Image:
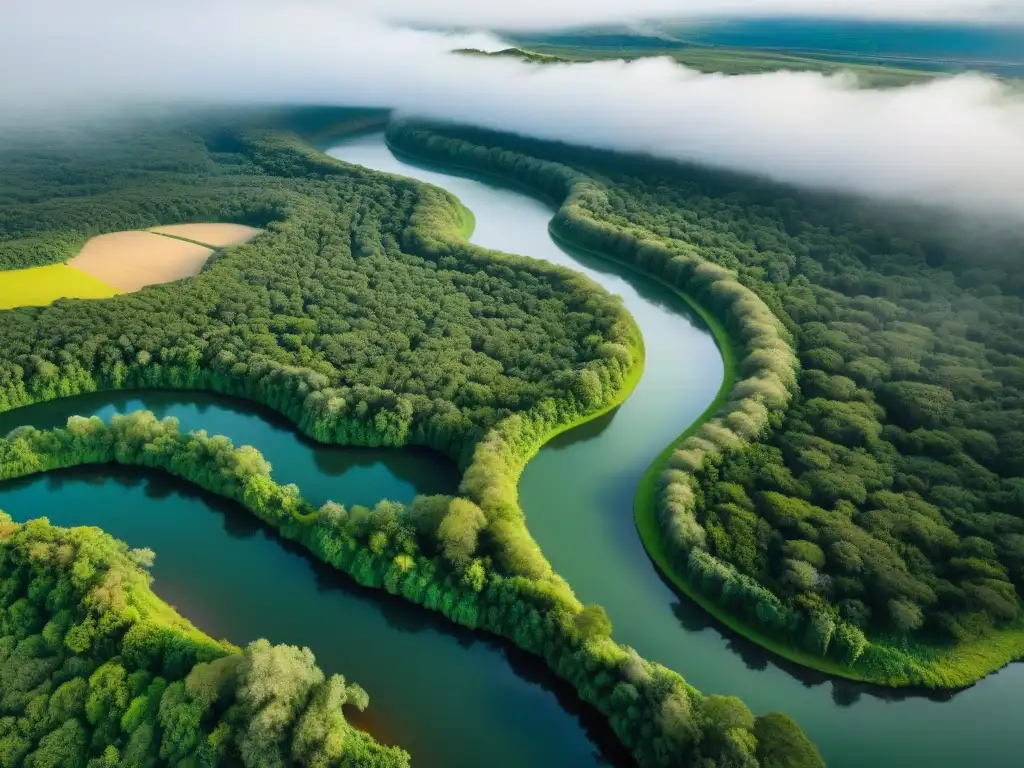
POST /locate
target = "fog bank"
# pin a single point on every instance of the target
(953, 142)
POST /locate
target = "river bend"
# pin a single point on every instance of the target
(454, 697)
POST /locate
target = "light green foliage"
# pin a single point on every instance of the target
(458, 531)
(364, 320)
(593, 622)
(902, 442)
(226, 707)
(271, 704)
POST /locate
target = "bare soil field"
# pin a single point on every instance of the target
(130, 261)
(213, 235)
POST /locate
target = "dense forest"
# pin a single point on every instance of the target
(97, 672)
(867, 512)
(363, 317)
(429, 553)
(351, 316)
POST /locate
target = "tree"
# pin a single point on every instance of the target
(905, 616)
(593, 622)
(458, 531)
(781, 743)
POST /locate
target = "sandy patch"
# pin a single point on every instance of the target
(132, 260)
(214, 235)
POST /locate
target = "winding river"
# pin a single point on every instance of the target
(456, 698)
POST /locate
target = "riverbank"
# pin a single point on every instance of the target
(536, 248)
(890, 666)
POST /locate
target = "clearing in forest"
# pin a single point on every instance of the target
(130, 261)
(122, 262)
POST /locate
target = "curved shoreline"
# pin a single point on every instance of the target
(949, 669)
(570, 652)
(724, 341)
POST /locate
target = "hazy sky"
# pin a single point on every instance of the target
(545, 13)
(959, 141)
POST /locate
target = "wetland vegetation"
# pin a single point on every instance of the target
(850, 500)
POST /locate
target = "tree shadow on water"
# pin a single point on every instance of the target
(589, 430)
(427, 470)
(408, 618)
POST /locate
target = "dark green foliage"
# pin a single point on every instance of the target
(781, 743)
(351, 315)
(405, 550)
(887, 497)
(364, 319)
(104, 674)
(53, 198)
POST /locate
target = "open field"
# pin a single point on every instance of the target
(44, 285)
(132, 260)
(122, 262)
(213, 235)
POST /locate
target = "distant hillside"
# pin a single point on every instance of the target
(931, 47)
(712, 59)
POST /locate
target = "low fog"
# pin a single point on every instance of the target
(956, 142)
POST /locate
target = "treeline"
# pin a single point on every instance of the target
(433, 553)
(87, 184)
(97, 672)
(886, 503)
(364, 319)
(358, 315)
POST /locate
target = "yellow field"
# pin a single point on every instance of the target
(121, 262)
(44, 285)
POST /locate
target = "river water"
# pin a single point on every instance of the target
(456, 698)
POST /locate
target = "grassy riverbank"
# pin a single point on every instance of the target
(360, 269)
(903, 663)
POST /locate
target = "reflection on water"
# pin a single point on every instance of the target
(235, 578)
(449, 695)
(349, 475)
(578, 497)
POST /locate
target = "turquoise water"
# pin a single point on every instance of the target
(448, 696)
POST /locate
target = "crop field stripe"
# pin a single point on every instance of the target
(40, 286)
(185, 240)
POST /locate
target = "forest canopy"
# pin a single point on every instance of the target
(97, 672)
(885, 500)
(344, 316)
(365, 318)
